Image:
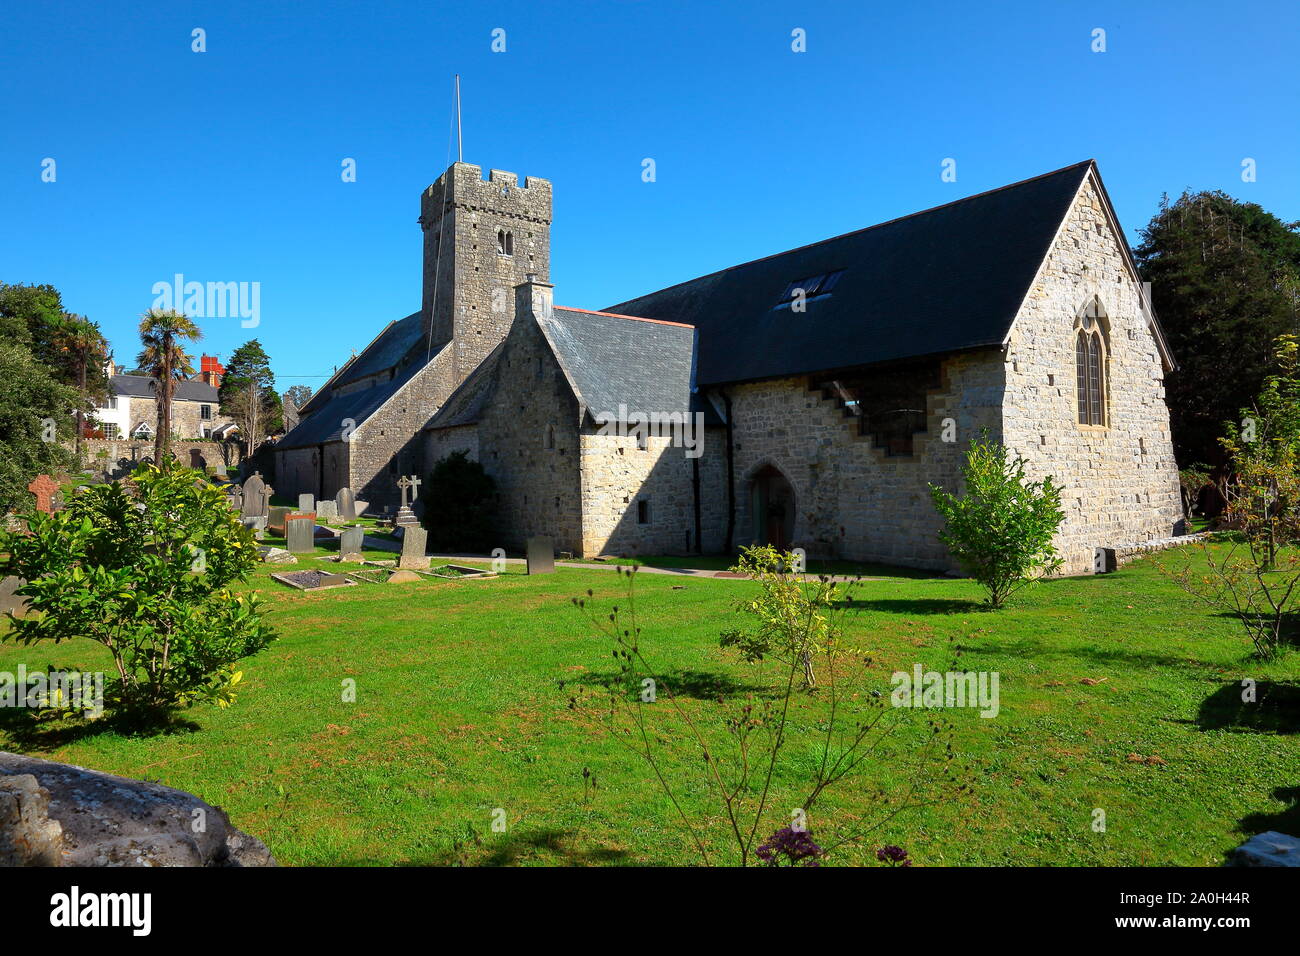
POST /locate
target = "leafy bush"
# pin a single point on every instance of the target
(792, 614)
(1001, 530)
(144, 567)
(458, 504)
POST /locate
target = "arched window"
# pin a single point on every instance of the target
(510, 243)
(1090, 364)
(501, 242)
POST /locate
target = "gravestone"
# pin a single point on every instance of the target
(405, 515)
(298, 532)
(327, 510)
(257, 496)
(541, 555)
(413, 542)
(235, 498)
(350, 542)
(11, 603)
(402, 576)
(45, 489)
(346, 504)
(361, 508)
(306, 502)
(275, 519)
(219, 470)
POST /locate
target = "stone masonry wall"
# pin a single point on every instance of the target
(468, 284)
(616, 474)
(187, 417)
(389, 443)
(1120, 482)
(119, 456)
(852, 500)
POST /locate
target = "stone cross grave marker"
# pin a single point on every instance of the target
(405, 516)
(346, 503)
(413, 543)
(299, 531)
(541, 555)
(44, 488)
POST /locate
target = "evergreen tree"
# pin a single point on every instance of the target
(248, 394)
(1225, 282)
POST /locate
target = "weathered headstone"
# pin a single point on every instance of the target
(350, 542)
(235, 498)
(298, 532)
(402, 576)
(361, 507)
(275, 519)
(413, 543)
(541, 555)
(327, 510)
(346, 504)
(306, 502)
(44, 488)
(257, 496)
(10, 602)
(219, 470)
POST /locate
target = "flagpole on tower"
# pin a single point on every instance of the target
(460, 149)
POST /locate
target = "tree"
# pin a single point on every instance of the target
(299, 394)
(162, 333)
(145, 567)
(1225, 281)
(1001, 530)
(458, 504)
(248, 394)
(24, 311)
(82, 349)
(35, 418)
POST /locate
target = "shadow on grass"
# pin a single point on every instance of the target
(1038, 650)
(1275, 709)
(1284, 821)
(516, 847)
(684, 682)
(22, 729)
(914, 605)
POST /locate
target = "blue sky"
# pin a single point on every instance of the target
(225, 165)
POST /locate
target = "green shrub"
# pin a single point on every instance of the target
(1001, 530)
(144, 567)
(458, 504)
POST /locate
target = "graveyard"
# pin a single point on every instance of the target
(414, 699)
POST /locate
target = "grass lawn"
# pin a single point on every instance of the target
(463, 707)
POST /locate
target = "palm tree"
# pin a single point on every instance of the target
(80, 340)
(162, 332)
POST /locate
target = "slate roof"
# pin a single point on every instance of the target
(610, 360)
(326, 423)
(141, 386)
(389, 348)
(465, 405)
(946, 279)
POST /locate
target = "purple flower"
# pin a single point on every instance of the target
(790, 847)
(893, 855)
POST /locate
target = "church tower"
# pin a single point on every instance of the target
(482, 237)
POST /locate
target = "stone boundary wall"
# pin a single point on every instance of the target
(129, 451)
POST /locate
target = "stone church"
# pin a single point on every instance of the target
(805, 399)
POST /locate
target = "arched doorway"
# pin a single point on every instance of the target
(771, 500)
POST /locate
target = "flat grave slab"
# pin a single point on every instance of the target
(313, 580)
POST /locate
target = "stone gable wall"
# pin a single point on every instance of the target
(538, 487)
(1120, 483)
